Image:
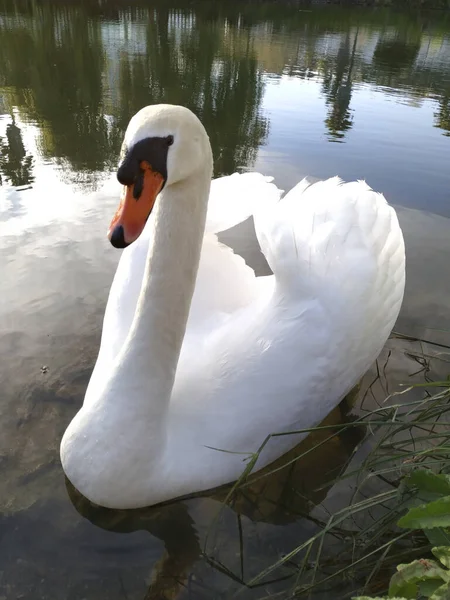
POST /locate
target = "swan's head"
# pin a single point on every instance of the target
(164, 144)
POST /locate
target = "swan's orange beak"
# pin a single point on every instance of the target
(135, 208)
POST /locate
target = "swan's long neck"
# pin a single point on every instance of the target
(156, 336)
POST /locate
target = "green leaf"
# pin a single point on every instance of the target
(442, 553)
(427, 588)
(404, 582)
(442, 593)
(427, 481)
(378, 598)
(408, 589)
(438, 536)
(428, 516)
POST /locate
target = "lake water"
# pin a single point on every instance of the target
(285, 90)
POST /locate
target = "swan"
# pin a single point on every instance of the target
(199, 359)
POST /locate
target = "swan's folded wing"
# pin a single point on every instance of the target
(339, 247)
(225, 282)
(235, 197)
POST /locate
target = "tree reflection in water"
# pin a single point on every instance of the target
(91, 72)
(16, 165)
(442, 116)
(184, 60)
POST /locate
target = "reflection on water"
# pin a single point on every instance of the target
(276, 87)
(83, 100)
(213, 61)
(16, 164)
(337, 86)
(443, 114)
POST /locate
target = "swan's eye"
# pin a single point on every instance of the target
(169, 140)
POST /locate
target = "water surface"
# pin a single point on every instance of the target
(286, 90)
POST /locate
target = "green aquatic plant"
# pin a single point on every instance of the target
(425, 578)
(422, 578)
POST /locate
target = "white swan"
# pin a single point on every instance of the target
(197, 354)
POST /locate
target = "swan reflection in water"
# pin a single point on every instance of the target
(282, 493)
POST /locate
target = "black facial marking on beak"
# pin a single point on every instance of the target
(153, 150)
(117, 238)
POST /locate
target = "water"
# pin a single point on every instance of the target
(284, 90)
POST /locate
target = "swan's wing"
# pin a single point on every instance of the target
(225, 282)
(338, 247)
(284, 362)
(235, 197)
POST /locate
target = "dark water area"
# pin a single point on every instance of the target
(281, 89)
